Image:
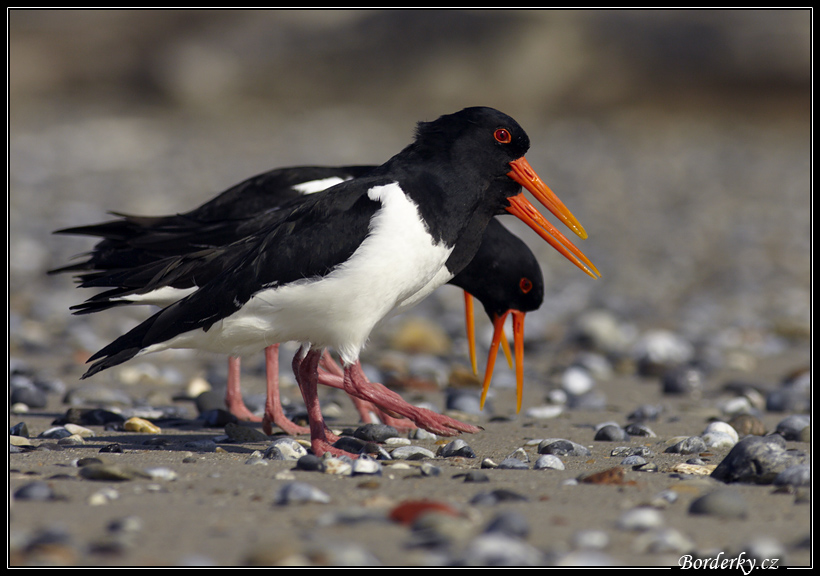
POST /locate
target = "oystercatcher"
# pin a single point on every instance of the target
(340, 261)
(504, 275)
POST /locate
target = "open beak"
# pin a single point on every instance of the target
(470, 323)
(523, 174)
(518, 343)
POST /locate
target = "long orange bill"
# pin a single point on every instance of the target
(523, 174)
(498, 331)
(518, 340)
(518, 343)
(470, 321)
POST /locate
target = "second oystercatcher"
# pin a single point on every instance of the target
(340, 261)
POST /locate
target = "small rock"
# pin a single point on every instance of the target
(610, 432)
(640, 519)
(746, 424)
(756, 459)
(239, 433)
(375, 432)
(411, 453)
(299, 493)
(721, 503)
(37, 490)
(456, 448)
(548, 462)
(285, 449)
(691, 445)
(561, 447)
(141, 425)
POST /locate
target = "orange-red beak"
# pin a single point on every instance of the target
(523, 209)
(470, 323)
(518, 343)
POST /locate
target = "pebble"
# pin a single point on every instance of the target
(476, 476)
(577, 381)
(646, 412)
(141, 425)
(285, 449)
(429, 469)
(640, 519)
(309, 463)
(411, 453)
(722, 503)
(510, 523)
(456, 448)
(466, 401)
(512, 464)
(350, 444)
(633, 461)
(55, 433)
(299, 493)
(81, 431)
(375, 432)
(792, 426)
(659, 350)
(240, 433)
(561, 447)
(71, 440)
(682, 380)
(590, 539)
(691, 445)
(365, 465)
(756, 459)
(495, 549)
(640, 429)
(110, 472)
(338, 466)
(610, 432)
(91, 417)
(797, 475)
(764, 548)
(545, 412)
(746, 424)
(103, 497)
(496, 496)
(548, 462)
(37, 491)
(665, 540)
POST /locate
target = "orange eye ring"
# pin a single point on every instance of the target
(525, 284)
(503, 136)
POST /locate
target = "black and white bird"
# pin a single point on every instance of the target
(340, 261)
(504, 274)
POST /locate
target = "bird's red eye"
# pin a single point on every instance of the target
(503, 136)
(525, 284)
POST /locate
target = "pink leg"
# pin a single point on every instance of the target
(274, 415)
(306, 370)
(334, 376)
(233, 394)
(356, 384)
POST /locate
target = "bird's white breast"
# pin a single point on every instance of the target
(396, 261)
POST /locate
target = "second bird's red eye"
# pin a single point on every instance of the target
(525, 284)
(503, 136)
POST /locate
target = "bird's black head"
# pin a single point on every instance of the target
(480, 136)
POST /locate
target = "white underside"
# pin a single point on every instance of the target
(162, 297)
(396, 266)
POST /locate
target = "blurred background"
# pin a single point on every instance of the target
(680, 139)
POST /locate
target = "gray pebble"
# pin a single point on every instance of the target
(456, 448)
(476, 476)
(593, 400)
(691, 445)
(576, 381)
(466, 401)
(591, 539)
(495, 549)
(756, 459)
(411, 453)
(640, 429)
(375, 432)
(204, 445)
(512, 464)
(791, 426)
(510, 523)
(561, 447)
(797, 475)
(429, 469)
(633, 461)
(766, 548)
(663, 541)
(285, 449)
(497, 496)
(681, 380)
(55, 433)
(645, 412)
(640, 519)
(625, 451)
(23, 391)
(610, 432)
(309, 463)
(721, 503)
(20, 429)
(300, 492)
(38, 491)
(548, 462)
